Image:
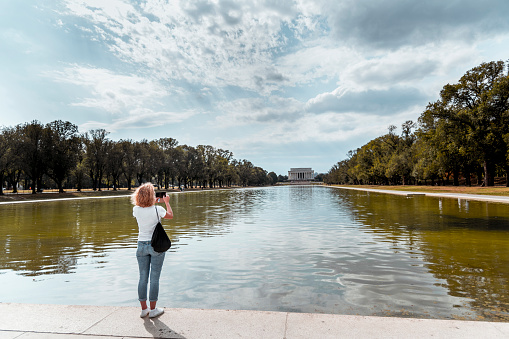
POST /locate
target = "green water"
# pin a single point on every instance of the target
(299, 248)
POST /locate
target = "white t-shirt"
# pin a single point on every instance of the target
(147, 220)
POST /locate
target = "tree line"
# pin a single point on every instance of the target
(56, 154)
(463, 137)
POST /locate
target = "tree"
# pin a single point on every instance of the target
(4, 149)
(114, 161)
(216, 165)
(32, 153)
(223, 158)
(282, 178)
(370, 162)
(189, 165)
(426, 166)
(61, 148)
(11, 160)
(128, 161)
(480, 102)
(273, 178)
(232, 175)
(57, 151)
(81, 169)
(193, 169)
(156, 158)
(142, 156)
(401, 161)
(258, 177)
(446, 146)
(96, 144)
(207, 154)
(179, 163)
(245, 171)
(167, 145)
(338, 174)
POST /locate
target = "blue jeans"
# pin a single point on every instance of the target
(150, 263)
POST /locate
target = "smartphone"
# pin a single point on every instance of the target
(160, 194)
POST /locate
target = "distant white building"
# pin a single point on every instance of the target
(301, 174)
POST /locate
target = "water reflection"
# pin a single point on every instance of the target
(464, 243)
(302, 248)
(49, 237)
(208, 214)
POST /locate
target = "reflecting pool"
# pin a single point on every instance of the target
(297, 248)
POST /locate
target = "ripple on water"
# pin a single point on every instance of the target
(303, 249)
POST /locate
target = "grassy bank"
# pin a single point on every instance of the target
(28, 196)
(495, 190)
(53, 194)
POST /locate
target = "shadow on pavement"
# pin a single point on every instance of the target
(160, 330)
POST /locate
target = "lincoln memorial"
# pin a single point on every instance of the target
(301, 174)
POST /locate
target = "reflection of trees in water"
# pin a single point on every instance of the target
(210, 213)
(50, 237)
(465, 242)
(474, 267)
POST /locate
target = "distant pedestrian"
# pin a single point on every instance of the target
(150, 262)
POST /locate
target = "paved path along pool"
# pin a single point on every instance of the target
(479, 197)
(66, 321)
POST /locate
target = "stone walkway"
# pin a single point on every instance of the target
(66, 321)
(479, 197)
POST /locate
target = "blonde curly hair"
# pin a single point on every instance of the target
(144, 196)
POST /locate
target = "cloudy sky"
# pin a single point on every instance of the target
(281, 83)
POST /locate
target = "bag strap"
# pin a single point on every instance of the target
(158, 218)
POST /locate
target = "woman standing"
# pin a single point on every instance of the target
(150, 262)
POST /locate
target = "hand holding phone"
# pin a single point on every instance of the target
(159, 196)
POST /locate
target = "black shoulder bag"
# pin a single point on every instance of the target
(160, 241)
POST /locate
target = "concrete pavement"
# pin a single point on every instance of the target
(26, 321)
(479, 197)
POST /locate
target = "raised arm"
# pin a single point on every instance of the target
(169, 211)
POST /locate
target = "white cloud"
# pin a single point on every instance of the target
(310, 129)
(213, 43)
(408, 66)
(380, 102)
(316, 60)
(114, 93)
(248, 111)
(260, 46)
(132, 100)
(141, 118)
(392, 24)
